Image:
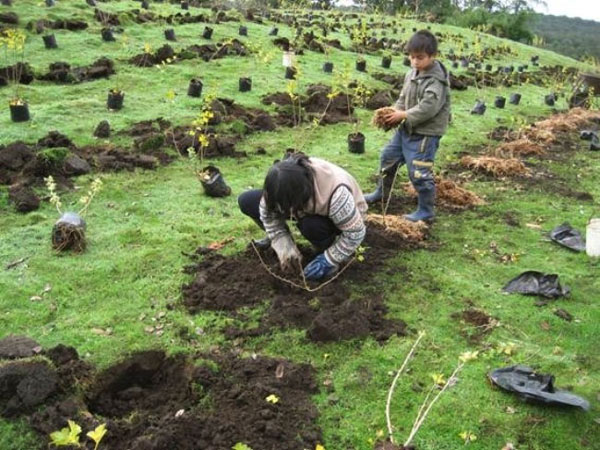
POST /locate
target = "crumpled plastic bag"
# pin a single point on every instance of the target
(533, 282)
(523, 381)
(569, 237)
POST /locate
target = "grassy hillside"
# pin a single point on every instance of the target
(144, 224)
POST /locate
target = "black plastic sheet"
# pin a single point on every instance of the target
(537, 283)
(529, 385)
(569, 237)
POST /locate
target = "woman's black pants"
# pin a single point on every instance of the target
(320, 231)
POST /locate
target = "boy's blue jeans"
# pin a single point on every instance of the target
(417, 152)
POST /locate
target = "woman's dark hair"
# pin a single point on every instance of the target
(289, 184)
(422, 41)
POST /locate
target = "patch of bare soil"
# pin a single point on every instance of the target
(232, 283)
(24, 165)
(220, 50)
(478, 323)
(151, 401)
(61, 72)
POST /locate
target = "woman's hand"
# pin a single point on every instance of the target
(287, 252)
(319, 268)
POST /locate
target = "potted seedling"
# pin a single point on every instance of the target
(50, 41)
(500, 101)
(360, 37)
(259, 57)
(13, 41)
(116, 96)
(170, 34)
(210, 176)
(68, 232)
(207, 33)
(243, 30)
(514, 98)
(479, 107)
(328, 65)
(195, 88)
(386, 61)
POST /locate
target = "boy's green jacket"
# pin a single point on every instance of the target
(425, 97)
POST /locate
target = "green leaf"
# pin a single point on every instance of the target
(97, 434)
(67, 436)
(241, 446)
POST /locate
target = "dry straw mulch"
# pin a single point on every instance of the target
(519, 147)
(398, 227)
(545, 131)
(450, 194)
(497, 167)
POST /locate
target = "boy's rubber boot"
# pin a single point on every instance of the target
(376, 195)
(383, 186)
(424, 211)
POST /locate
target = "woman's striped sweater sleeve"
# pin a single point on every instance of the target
(348, 219)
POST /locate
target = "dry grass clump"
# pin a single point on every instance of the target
(398, 227)
(378, 116)
(520, 147)
(497, 167)
(450, 194)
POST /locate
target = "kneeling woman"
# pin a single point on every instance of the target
(323, 199)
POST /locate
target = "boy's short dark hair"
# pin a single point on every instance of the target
(422, 41)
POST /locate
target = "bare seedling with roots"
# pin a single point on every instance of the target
(450, 194)
(378, 118)
(497, 167)
(398, 227)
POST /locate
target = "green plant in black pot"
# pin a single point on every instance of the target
(68, 232)
(13, 40)
(210, 177)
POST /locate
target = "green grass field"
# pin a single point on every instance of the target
(140, 225)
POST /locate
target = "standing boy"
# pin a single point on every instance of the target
(421, 113)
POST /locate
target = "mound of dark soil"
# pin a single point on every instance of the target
(62, 72)
(39, 26)
(231, 283)
(221, 50)
(396, 81)
(382, 99)
(12, 347)
(25, 165)
(106, 18)
(150, 401)
(315, 105)
(149, 59)
(25, 385)
(226, 110)
(9, 17)
(278, 98)
(218, 145)
(20, 72)
(24, 198)
(338, 109)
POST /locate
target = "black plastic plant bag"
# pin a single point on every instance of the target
(536, 283)
(569, 237)
(531, 386)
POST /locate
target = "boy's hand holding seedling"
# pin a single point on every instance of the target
(393, 117)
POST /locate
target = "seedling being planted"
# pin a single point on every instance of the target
(68, 232)
(69, 436)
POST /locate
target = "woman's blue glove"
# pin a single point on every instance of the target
(318, 268)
